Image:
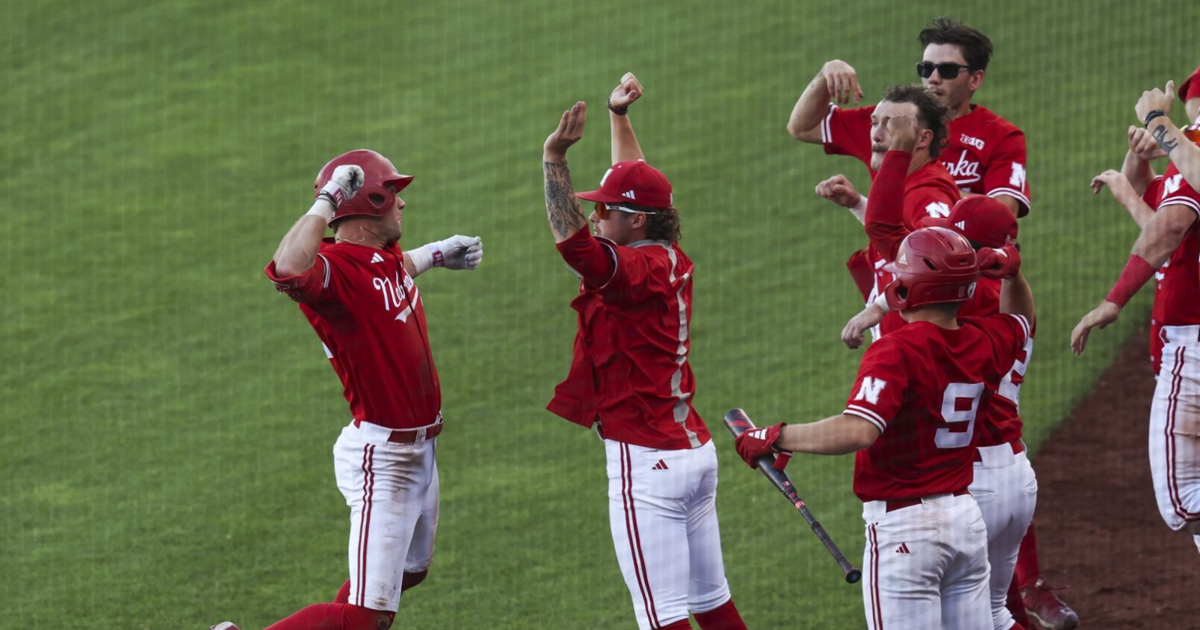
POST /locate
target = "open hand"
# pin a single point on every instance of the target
(1100, 317)
(570, 130)
(868, 318)
(842, 82)
(1116, 182)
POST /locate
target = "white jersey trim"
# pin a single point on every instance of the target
(681, 411)
(826, 133)
(1024, 326)
(325, 284)
(1009, 192)
(868, 415)
(1181, 201)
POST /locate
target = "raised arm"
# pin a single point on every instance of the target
(1153, 110)
(298, 250)
(836, 81)
(884, 223)
(562, 208)
(1016, 297)
(1137, 168)
(624, 143)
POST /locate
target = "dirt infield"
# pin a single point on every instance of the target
(1098, 528)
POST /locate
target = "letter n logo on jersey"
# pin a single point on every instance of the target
(1017, 179)
(871, 387)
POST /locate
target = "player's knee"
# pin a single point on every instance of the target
(359, 618)
(412, 579)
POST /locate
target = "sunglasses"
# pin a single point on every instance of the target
(602, 209)
(945, 70)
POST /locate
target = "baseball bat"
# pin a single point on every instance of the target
(738, 422)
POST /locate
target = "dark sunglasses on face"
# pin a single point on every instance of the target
(945, 70)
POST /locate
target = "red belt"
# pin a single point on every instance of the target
(900, 504)
(409, 436)
(1017, 447)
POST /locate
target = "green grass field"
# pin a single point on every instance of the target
(168, 418)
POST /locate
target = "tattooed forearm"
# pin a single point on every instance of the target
(1165, 143)
(562, 208)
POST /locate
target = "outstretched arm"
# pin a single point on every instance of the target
(1123, 191)
(1162, 234)
(625, 145)
(836, 81)
(562, 208)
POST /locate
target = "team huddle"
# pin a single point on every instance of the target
(933, 417)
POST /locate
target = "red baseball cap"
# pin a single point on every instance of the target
(632, 182)
(1190, 88)
(983, 220)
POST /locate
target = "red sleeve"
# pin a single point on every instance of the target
(882, 382)
(1009, 333)
(1176, 191)
(848, 132)
(1153, 192)
(1005, 174)
(926, 202)
(884, 222)
(589, 258)
(304, 287)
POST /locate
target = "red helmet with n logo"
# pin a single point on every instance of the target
(374, 198)
(932, 265)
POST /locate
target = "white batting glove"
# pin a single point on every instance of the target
(346, 181)
(457, 252)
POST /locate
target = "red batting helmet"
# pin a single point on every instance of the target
(373, 198)
(932, 265)
(984, 221)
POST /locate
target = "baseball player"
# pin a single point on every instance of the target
(1004, 484)
(1153, 109)
(1167, 250)
(630, 375)
(911, 420)
(984, 153)
(357, 291)
(1189, 93)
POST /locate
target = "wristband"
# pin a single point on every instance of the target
(1137, 271)
(882, 303)
(323, 208)
(426, 257)
(620, 111)
(1152, 115)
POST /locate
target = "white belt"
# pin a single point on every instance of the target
(1180, 335)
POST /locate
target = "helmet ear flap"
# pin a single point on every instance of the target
(897, 295)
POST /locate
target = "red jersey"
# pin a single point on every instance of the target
(923, 386)
(630, 369)
(368, 314)
(1177, 282)
(886, 226)
(984, 153)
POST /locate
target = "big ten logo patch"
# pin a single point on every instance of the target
(400, 293)
(971, 142)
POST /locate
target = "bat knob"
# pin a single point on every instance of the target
(853, 576)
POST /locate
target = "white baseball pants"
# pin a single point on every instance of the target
(925, 566)
(662, 508)
(1175, 428)
(392, 491)
(1005, 488)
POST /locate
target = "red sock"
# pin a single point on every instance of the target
(723, 617)
(682, 624)
(1015, 606)
(1027, 560)
(343, 596)
(333, 617)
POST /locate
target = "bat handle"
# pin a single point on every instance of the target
(853, 575)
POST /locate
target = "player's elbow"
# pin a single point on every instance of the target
(804, 133)
(861, 434)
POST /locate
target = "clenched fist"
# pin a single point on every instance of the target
(346, 181)
(461, 252)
